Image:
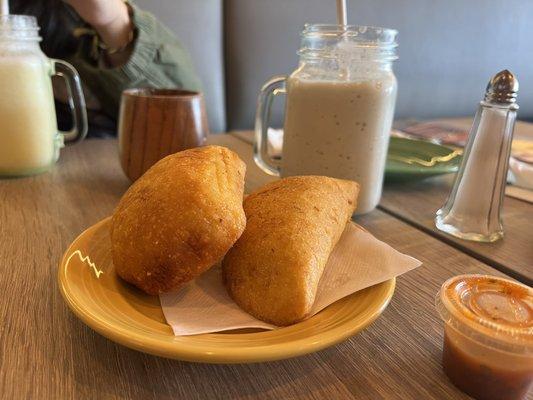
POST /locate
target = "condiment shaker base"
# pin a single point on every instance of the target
(442, 224)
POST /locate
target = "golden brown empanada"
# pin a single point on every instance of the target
(293, 224)
(179, 218)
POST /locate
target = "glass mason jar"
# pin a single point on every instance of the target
(29, 138)
(339, 108)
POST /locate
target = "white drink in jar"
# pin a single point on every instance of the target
(29, 139)
(28, 128)
(340, 129)
(339, 108)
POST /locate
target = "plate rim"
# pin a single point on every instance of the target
(178, 350)
(405, 170)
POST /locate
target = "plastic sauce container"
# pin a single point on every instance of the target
(488, 336)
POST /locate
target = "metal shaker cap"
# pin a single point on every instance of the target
(502, 88)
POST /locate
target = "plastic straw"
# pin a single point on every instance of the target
(342, 18)
(4, 7)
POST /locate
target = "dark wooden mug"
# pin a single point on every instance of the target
(154, 123)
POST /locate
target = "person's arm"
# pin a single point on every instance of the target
(154, 59)
(112, 21)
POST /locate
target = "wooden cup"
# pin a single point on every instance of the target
(154, 123)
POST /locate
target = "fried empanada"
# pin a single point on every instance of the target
(179, 218)
(293, 224)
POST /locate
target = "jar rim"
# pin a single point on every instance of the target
(358, 33)
(348, 44)
(19, 27)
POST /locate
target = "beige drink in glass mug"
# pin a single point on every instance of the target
(29, 138)
(339, 108)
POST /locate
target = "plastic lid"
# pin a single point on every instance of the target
(494, 311)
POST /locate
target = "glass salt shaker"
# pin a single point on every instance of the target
(473, 209)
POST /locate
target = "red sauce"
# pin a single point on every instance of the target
(483, 382)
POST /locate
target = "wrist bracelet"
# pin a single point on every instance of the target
(115, 50)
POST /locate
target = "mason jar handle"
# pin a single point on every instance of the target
(76, 101)
(269, 90)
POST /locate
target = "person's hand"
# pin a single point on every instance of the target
(100, 13)
(111, 19)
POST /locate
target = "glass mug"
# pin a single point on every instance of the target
(339, 108)
(29, 138)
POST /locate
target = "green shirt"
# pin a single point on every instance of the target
(158, 60)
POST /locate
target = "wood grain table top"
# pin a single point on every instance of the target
(417, 202)
(47, 353)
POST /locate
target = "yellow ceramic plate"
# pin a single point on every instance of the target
(127, 316)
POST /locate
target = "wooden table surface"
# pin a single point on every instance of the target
(47, 353)
(417, 202)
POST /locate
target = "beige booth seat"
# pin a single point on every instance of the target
(448, 49)
(198, 25)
